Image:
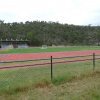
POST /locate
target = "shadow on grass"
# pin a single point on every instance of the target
(63, 79)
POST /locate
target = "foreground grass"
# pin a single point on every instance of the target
(75, 81)
(87, 88)
(49, 49)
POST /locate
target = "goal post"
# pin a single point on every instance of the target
(44, 47)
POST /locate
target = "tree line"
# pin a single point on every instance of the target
(50, 33)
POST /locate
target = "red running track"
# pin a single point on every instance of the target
(31, 56)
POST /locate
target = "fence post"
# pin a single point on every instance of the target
(93, 61)
(51, 69)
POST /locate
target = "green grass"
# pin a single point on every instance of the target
(49, 49)
(74, 81)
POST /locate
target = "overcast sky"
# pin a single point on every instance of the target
(78, 12)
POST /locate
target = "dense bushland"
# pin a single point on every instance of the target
(50, 33)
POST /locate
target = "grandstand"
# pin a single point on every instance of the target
(13, 43)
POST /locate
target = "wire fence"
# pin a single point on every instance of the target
(21, 75)
(48, 61)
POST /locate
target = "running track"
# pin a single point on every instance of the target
(31, 56)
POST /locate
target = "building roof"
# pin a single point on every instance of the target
(12, 40)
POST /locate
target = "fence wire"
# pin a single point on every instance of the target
(43, 62)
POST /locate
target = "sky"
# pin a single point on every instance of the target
(77, 12)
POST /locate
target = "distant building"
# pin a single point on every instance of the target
(13, 43)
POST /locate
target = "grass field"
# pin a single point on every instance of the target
(74, 81)
(49, 49)
(71, 81)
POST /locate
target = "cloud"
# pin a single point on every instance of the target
(65, 11)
